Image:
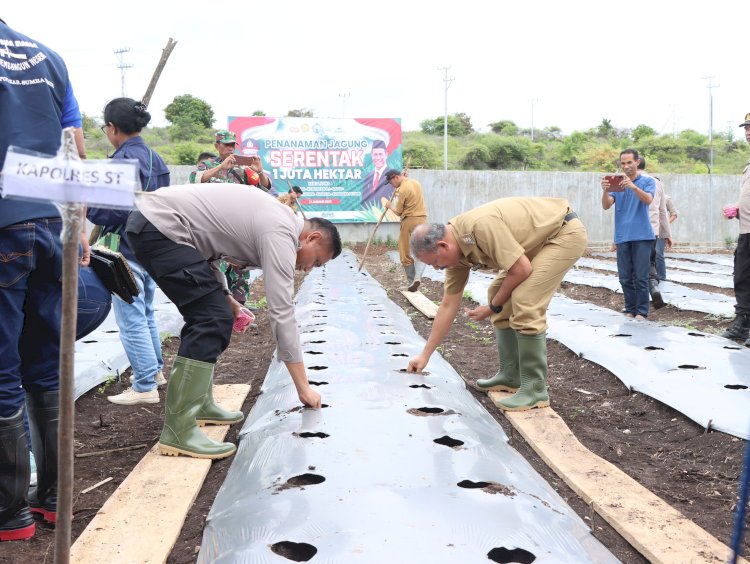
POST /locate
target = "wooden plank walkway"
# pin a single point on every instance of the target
(143, 518)
(652, 526)
(421, 302)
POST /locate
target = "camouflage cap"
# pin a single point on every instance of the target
(225, 136)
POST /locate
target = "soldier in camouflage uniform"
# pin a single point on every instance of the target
(224, 168)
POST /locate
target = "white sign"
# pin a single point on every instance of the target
(110, 183)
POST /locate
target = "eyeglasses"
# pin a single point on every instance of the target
(104, 128)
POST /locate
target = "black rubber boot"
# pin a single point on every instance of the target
(16, 522)
(43, 419)
(740, 328)
(656, 298)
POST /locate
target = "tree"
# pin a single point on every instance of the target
(605, 129)
(641, 131)
(504, 127)
(187, 109)
(88, 124)
(302, 112)
(476, 158)
(570, 149)
(259, 113)
(458, 125)
(421, 154)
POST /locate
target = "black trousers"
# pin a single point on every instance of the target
(189, 281)
(653, 278)
(742, 275)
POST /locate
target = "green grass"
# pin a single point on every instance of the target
(260, 304)
(111, 379)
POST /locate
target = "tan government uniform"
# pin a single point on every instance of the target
(498, 233)
(411, 208)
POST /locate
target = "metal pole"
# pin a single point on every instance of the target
(71, 232)
(122, 66)
(447, 82)
(343, 103)
(533, 101)
(711, 86)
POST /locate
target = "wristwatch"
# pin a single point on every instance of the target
(496, 309)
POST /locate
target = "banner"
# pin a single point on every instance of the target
(339, 164)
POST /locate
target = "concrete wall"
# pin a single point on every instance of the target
(699, 199)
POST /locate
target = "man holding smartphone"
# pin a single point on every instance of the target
(226, 168)
(634, 235)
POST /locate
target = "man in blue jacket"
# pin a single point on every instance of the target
(36, 103)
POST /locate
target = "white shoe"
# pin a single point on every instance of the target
(131, 397)
(159, 379)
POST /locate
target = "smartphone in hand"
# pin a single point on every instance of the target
(242, 160)
(615, 182)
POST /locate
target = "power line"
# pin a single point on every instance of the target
(123, 66)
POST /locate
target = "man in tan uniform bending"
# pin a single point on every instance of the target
(409, 205)
(179, 237)
(532, 242)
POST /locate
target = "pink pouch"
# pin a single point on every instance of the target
(730, 211)
(245, 318)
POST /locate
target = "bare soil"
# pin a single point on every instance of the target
(694, 470)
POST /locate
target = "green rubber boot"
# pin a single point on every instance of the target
(412, 282)
(210, 413)
(187, 390)
(507, 379)
(532, 356)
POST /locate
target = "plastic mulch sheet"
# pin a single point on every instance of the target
(100, 354)
(704, 377)
(395, 467)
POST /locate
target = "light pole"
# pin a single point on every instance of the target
(711, 87)
(447, 82)
(343, 97)
(532, 101)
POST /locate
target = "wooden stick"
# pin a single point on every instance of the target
(108, 451)
(367, 247)
(298, 204)
(104, 481)
(166, 52)
(70, 235)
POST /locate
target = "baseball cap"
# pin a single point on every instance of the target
(225, 136)
(391, 173)
(747, 121)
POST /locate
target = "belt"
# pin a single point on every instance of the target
(570, 217)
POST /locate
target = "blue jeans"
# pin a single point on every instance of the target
(94, 302)
(30, 304)
(138, 332)
(633, 265)
(661, 265)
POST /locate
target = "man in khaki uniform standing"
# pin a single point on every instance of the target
(408, 203)
(532, 242)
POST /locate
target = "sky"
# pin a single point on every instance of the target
(536, 62)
